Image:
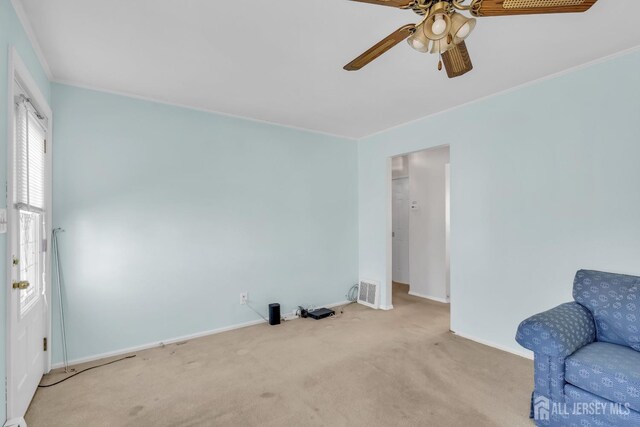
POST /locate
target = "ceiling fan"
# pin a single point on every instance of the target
(443, 29)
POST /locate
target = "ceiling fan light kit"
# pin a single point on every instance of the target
(419, 41)
(441, 46)
(461, 27)
(438, 23)
(443, 29)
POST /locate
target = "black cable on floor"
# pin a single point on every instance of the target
(256, 312)
(352, 297)
(341, 309)
(85, 370)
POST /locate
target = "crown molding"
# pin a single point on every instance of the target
(31, 35)
(551, 76)
(202, 110)
(24, 20)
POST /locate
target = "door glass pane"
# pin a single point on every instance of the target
(30, 265)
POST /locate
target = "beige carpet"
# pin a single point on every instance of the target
(365, 367)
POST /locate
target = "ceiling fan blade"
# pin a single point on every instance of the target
(528, 7)
(457, 60)
(381, 47)
(402, 4)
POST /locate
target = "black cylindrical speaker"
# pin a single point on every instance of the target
(274, 314)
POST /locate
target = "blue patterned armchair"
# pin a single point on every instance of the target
(587, 355)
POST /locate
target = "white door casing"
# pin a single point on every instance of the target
(447, 177)
(28, 310)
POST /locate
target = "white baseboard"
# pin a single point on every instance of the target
(386, 307)
(120, 352)
(337, 304)
(147, 346)
(437, 299)
(16, 422)
(522, 353)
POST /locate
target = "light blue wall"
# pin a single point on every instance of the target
(545, 180)
(170, 213)
(11, 34)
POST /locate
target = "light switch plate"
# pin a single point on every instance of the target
(3, 221)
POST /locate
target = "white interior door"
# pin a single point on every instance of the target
(400, 214)
(28, 325)
(28, 311)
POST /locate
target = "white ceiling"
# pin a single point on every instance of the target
(281, 60)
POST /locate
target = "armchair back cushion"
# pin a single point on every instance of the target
(614, 302)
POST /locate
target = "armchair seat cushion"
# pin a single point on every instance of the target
(607, 415)
(608, 370)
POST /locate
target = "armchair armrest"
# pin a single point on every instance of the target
(558, 332)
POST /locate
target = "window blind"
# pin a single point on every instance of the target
(29, 160)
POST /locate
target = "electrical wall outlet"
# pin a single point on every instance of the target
(290, 316)
(244, 296)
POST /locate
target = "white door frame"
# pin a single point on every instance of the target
(388, 304)
(19, 71)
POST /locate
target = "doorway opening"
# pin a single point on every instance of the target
(420, 222)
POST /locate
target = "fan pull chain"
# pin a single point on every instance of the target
(440, 61)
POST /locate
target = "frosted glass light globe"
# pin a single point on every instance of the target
(464, 31)
(439, 25)
(417, 44)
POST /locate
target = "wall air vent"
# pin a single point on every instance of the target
(369, 293)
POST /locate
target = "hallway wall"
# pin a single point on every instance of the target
(544, 182)
(427, 219)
